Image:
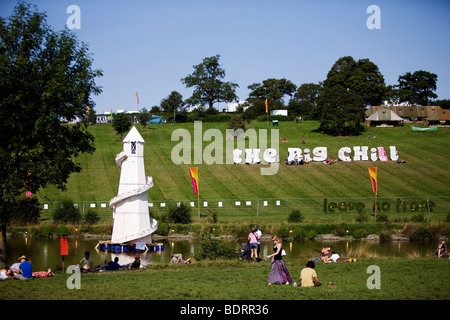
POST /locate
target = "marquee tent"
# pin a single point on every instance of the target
(384, 116)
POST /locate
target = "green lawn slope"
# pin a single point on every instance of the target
(425, 173)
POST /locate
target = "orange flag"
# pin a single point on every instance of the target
(267, 109)
(373, 179)
(137, 98)
(194, 176)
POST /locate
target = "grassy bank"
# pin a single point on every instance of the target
(426, 171)
(401, 279)
(414, 226)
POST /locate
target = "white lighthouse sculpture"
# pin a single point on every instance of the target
(132, 222)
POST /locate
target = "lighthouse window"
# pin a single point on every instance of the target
(133, 147)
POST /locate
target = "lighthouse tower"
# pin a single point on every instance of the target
(132, 222)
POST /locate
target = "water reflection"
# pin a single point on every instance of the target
(44, 253)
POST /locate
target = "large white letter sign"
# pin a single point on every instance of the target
(252, 156)
(320, 154)
(270, 155)
(394, 154)
(360, 154)
(294, 152)
(342, 153)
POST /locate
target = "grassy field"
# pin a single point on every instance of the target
(400, 279)
(427, 171)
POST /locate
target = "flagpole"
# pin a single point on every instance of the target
(376, 193)
(376, 205)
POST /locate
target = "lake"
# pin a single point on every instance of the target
(45, 253)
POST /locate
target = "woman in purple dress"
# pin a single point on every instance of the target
(279, 273)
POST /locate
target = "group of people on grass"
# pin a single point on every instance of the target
(87, 265)
(279, 273)
(22, 270)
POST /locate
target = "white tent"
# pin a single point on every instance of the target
(384, 115)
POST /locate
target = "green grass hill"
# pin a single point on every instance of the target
(425, 173)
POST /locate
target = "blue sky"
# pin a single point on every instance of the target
(148, 46)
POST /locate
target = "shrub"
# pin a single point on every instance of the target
(311, 234)
(163, 229)
(360, 233)
(298, 233)
(362, 217)
(180, 214)
(295, 216)
(382, 217)
(45, 231)
(91, 216)
(418, 217)
(214, 248)
(283, 232)
(61, 230)
(67, 212)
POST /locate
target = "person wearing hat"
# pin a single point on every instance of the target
(25, 269)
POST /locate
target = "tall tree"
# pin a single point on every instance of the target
(362, 77)
(209, 86)
(143, 117)
(121, 123)
(45, 76)
(309, 92)
(342, 111)
(271, 89)
(418, 87)
(172, 104)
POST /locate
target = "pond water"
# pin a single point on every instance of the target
(45, 253)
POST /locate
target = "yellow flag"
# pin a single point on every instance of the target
(373, 179)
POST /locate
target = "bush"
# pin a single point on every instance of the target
(382, 217)
(45, 231)
(360, 233)
(67, 212)
(214, 248)
(295, 216)
(311, 234)
(91, 216)
(163, 229)
(418, 217)
(180, 214)
(298, 233)
(362, 217)
(283, 232)
(61, 230)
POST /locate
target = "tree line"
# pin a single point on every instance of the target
(338, 102)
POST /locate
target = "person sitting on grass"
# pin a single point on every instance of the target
(308, 276)
(86, 264)
(110, 266)
(133, 265)
(25, 269)
(441, 250)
